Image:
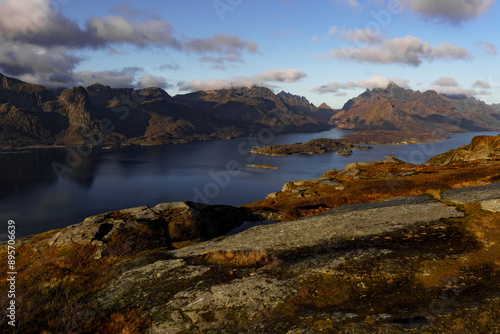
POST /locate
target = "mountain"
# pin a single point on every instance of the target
(397, 108)
(480, 148)
(31, 115)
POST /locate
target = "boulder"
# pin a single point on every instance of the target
(144, 227)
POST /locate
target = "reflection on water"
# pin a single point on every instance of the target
(215, 172)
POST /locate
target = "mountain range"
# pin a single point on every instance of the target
(32, 115)
(397, 108)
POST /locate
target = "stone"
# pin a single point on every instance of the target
(332, 226)
(487, 195)
(244, 298)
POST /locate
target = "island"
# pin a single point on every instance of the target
(264, 166)
(315, 146)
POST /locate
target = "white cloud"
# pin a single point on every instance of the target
(152, 81)
(376, 81)
(408, 50)
(446, 82)
(450, 11)
(261, 79)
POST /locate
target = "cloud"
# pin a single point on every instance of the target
(489, 48)
(452, 90)
(230, 46)
(107, 78)
(449, 11)
(261, 79)
(18, 59)
(314, 39)
(39, 42)
(117, 29)
(408, 50)
(481, 84)
(446, 82)
(220, 63)
(153, 81)
(169, 67)
(356, 36)
(376, 81)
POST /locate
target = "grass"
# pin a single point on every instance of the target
(236, 259)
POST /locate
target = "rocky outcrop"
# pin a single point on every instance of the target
(481, 147)
(335, 225)
(136, 229)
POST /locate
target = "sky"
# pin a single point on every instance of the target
(326, 50)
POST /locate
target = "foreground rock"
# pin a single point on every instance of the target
(137, 229)
(335, 225)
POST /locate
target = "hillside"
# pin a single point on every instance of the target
(378, 247)
(397, 108)
(31, 115)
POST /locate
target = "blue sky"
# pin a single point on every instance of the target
(326, 50)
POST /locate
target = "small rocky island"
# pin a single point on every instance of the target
(315, 146)
(264, 166)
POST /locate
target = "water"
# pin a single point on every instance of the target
(215, 172)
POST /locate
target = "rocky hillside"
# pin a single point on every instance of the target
(31, 115)
(480, 148)
(396, 108)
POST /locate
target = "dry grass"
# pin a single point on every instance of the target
(379, 182)
(237, 259)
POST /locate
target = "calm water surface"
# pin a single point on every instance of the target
(213, 172)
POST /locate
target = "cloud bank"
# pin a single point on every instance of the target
(408, 50)
(40, 44)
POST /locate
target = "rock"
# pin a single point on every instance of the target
(481, 147)
(353, 168)
(345, 152)
(342, 223)
(149, 285)
(272, 195)
(264, 166)
(305, 184)
(225, 304)
(151, 227)
(487, 195)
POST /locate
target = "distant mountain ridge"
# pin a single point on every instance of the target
(397, 108)
(31, 115)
